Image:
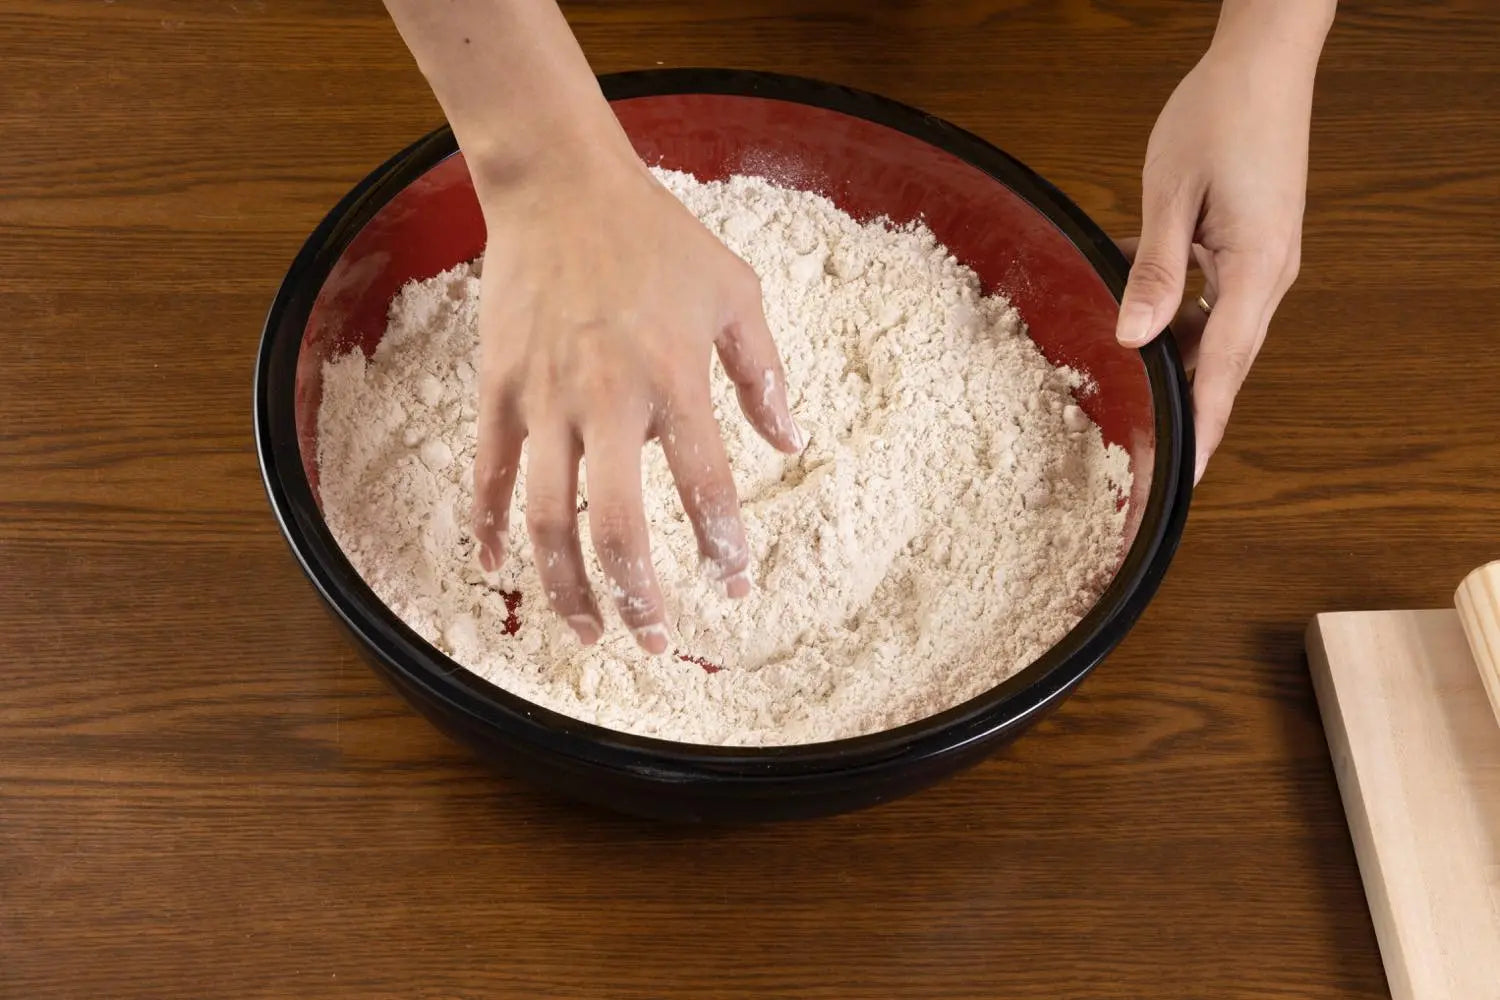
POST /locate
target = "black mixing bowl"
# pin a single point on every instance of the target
(416, 215)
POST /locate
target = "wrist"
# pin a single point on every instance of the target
(504, 156)
(568, 169)
(1289, 32)
(522, 100)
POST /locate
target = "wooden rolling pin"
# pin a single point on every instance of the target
(1478, 603)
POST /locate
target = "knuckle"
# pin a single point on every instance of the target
(497, 402)
(684, 387)
(487, 517)
(1232, 361)
(552, 524)
(1238, 361)
(638, 606)
(705, 494)
(499, 365)
(1271, 257)
(1151, 271)
(550, 543)
(722, 539)
(565, 595)
(1265, 261)
(613, 526)
(490, 474)
(727, 560)
(1163, 185)
(538, 398)
(597, 381)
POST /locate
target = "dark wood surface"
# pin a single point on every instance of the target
(204, 794)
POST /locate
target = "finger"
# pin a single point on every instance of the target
(750, 359)
(1159, 266)
(1187, 331)
(617, 522)
(695, 453)
(1187, 324)
(1203, 260)
(1232, 338)
(496, 459)
(1200, 260)
(552, 521)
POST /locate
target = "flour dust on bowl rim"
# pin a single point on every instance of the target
(416, 216)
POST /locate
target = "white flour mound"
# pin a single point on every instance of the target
(953, 515)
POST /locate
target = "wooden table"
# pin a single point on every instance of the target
(204, 794)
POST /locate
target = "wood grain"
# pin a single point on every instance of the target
(1417, 755)
(203, 793)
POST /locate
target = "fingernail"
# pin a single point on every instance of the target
(738, 585)
(586, 627)
(1135, 324)
(652, 638)
(1200, 468)
(799, 437)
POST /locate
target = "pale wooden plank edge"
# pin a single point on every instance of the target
(1345, 769)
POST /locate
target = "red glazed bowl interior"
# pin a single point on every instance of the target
(868, 169)
(416, 215)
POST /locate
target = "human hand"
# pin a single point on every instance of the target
(1225, 181)
(1191, 316)
(601, 301)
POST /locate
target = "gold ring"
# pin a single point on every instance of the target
(1203, 304)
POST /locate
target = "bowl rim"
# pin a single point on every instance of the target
(420, 665)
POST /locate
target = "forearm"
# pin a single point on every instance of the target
(512, 82)
(1290, 32)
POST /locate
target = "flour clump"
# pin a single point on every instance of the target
(954, 513)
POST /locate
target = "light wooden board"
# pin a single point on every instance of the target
(1417, 752)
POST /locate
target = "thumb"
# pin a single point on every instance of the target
(1158, 271)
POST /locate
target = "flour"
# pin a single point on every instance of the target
(953, 513)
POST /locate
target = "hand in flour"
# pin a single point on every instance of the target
(602, 301)
(1225, 181)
